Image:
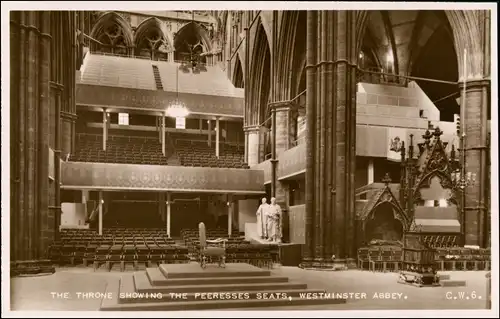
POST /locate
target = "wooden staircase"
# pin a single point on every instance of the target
(189, 287)
(156, 74)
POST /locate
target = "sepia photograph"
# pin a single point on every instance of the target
(223, 159)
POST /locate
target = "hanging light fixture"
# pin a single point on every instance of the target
(177, 108)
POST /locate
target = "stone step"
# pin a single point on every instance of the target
(128, 294)
(194, 270)
(157, 278)
(113, 304)
(452, 283)
(142, 284)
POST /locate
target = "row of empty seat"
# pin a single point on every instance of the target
(148, 151)
(119, 149)
(116, 246)
(198, 153)
(110, 255)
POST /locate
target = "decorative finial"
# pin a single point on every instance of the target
(437, 133)
(427, 137)
(452, 153)
(387, 179)
(403, 151)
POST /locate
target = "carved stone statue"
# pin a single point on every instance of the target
(274, 222)
(262, 213)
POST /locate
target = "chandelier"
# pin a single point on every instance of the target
(462, 180)
(177, 108)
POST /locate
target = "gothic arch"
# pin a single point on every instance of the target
(199, 31)
(259, 77)
(384, 224)
(109, 19)
(466, 28)
(291, 53)
(383, 197)
(151, 36)
(238, 78)
(264, 19)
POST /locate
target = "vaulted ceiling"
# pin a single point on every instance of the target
(398, 37)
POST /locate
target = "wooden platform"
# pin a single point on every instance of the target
(193, 270)
(190, 287)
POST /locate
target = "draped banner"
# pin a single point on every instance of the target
(395, 139)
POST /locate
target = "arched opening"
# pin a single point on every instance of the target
(189, 44)
(438, 60)
(262, 85)
(238, 79)
(150, 41)
(111, 34)
(384, 226)
(298, 124)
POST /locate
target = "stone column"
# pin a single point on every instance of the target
(34, 84)
(282, 127)
(30, 106)
(43, 217)
(281, 143)
(331, 129)
(308, 251)
(253, 133)
(17, 38)
(475, 123)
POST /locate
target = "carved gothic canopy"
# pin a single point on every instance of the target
(435, 163)
(384, 196)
